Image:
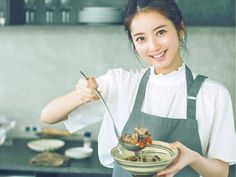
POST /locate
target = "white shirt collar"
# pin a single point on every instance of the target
(174, 77)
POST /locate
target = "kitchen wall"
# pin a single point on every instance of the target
(38, 63)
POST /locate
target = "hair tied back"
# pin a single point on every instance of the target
(142, 3)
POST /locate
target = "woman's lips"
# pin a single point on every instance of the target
(160, 56)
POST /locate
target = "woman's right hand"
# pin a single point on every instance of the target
(86, 90)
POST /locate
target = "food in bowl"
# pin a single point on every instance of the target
(143, 158)
(140, 137)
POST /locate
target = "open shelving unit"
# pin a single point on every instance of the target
(196, 13)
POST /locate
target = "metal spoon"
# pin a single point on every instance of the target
(129, 147)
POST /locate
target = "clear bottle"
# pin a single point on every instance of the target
(2, 18)
(65, 11)
(87, 142)
(30, 9)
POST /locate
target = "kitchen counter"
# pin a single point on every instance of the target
(14, 160)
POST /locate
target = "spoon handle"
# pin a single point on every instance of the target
(104, 103)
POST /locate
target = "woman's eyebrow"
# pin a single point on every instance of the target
(137, 34)
(161, 26)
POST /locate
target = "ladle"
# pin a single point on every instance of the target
(129, 147)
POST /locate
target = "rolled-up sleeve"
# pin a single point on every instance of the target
(222, 143)
(84, 116)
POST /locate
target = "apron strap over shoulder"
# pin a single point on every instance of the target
(189, 77)
(193, 87)
(141, 91)
(192, 95)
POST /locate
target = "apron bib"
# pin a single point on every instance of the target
(167, 129)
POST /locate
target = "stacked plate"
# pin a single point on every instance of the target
(100, 15)
(162, 150)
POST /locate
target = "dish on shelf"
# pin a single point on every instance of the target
(100, 15)
(79, 152)
(45, 144)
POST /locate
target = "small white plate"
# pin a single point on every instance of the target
(79, 152)
(45, 144)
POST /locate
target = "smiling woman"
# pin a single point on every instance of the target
(157, 41)
(189, 111)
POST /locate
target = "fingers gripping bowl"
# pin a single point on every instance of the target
(128, 159)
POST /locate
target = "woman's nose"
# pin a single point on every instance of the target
(153, 44)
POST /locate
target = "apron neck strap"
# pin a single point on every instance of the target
(193, 86)
(189, 77)
(192, 96)
(141, 91)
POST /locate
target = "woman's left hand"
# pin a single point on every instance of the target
(186, 156)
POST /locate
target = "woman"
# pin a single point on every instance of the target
(166, 98)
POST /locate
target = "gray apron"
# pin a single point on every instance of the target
(167, 129)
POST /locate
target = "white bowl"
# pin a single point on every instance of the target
(79, 152)
(45, 144)
(166, 153)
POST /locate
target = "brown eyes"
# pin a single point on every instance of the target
(139, 39)
(161, 32)
(158, 33)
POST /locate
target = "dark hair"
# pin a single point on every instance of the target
(167, 8)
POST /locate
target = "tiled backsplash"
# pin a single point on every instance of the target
(40, 63)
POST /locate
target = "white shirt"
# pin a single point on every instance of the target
(168, 93)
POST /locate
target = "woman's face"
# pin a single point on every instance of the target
(156, 40)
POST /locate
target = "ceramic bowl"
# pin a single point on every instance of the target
(45, 144)
(79, 152)
(161, 149)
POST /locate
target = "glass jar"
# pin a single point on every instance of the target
(87, 142)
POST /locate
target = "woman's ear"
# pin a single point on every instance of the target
(181, 30)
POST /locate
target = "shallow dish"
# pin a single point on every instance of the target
(45, 145)
(166, 154)
(79, 152)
